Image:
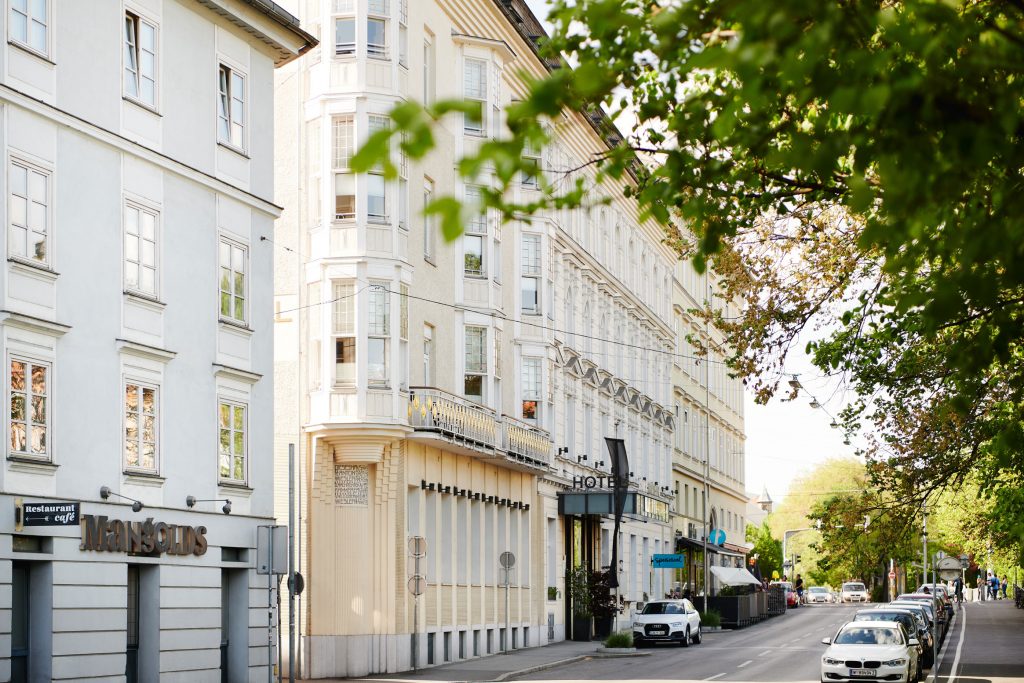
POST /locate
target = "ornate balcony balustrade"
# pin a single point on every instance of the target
(478, 429)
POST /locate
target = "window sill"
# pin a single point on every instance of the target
(143, 478)
(31, 51)
(146, 300)
(430, 260)
(231, 148)
(148, 108)
(475, 276)
(379, 58)
(236, 325)
(236, 488)
(23, 463)
(379, 220)
(34, 268)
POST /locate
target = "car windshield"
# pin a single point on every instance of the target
(853, 586)
(861, 635)
(662, 608)
(911, 605)
(817, 589)
(905, 619)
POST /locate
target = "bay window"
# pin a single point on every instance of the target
(531, 274)
(531, 388)
(476, 364)
(378, 333)
(475, 94)
(344, 330)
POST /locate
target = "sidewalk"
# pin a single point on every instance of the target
(991, 648)
(494, 667)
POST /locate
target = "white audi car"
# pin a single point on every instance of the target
(870, 651)
(853, 591)
(667, 621)
(818, 594)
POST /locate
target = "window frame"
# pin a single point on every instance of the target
(377, 334)
(137, 20)
(29, 20)
(134, 205)
(380, 51)
(229, 318)
(48, 175)
(233, 404)
(346, 50)
(469, 127)
(428, 354)
(429, 223)
(347, 336)
(226, 98)
(141, 386)
(30, 362)
(531, 269)
(536, 389)
(343, 146)
(480, 368)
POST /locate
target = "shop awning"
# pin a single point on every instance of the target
(734, 576)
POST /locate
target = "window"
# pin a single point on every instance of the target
(531, 168)
(475, 93)
(139, 59)
(377, 29)
(29, 212)
(232, 442)
(344, 333)
(403, 33)
(231, 108)
(29, 408)
(376, 188)
(232, 281)
(343, 146)
(140, 250)
(378, 332)
(531, 273)
(531, 388)
(475, 239)
(345, 37)
(429, 86)
(428, 355)
(429, 225)
(29, 20)
(403, 187)
(476, 363)
(140, 425)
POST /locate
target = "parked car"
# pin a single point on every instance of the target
(792, 599)
(929, 608)
(942, 591)
(942, 621)
(818, 594)
(913, 624)
(853, 591)
(667, 621)
(926, 616)
(874, 650)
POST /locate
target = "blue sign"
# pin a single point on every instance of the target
(716, 537)
(670, 561)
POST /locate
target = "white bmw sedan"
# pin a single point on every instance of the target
(667, 621)
(870, 651)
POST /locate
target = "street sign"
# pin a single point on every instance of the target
(417, 584)
(716, 537)
(965, 562)
(46, 514)
(507, 560)
(668, 561)
(272, 550)
(940, 555)
(418, 546)
(948, 568)
(892, 576)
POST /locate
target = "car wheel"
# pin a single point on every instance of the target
(698, 638)
(686, 638)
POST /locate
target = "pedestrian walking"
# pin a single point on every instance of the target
(799, 585)
(981, 587)
(993, 586)
(1003, 585)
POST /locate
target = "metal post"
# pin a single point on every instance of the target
(508, 622)
(707, 448)
(291, 563)
(924, 541)
(270, 603)
(416, 618)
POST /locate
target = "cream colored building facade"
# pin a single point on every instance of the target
(458, 392)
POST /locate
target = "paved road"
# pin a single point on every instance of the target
(786, 648)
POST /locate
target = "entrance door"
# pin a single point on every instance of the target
(131, 670)
(20, 625)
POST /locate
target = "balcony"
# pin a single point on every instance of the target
(475, 430)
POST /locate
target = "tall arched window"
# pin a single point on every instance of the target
(604, 361)
(586, 330)
(568, 320)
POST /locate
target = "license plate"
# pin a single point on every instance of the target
(658, 631)
(863, 672)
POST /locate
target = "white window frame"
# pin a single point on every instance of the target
(343, 300)
(429, 224)
(531, 269)
(134, 50)
(428, 354)
(476, 92)
(403, 33)
(378, 11)
(30, 168)
(378, 331)
(531, 388)
(233, 405)
(532, 157)
(30, 18)
(343, 146)
(227, 97)
(30, 362)
(346, 50)
(230, 317)
(138, 262)
(476, 369)
(141, 386)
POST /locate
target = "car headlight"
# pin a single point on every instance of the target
(637, 624)
(832, 662)
(895, 662)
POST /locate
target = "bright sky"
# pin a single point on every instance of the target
(784, 439)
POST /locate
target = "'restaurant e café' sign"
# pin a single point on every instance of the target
(145, 538)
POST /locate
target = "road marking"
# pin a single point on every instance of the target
(715, 677)
(740, 666)
(766, 652)
(959, 646)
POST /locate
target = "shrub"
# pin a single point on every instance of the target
(710, 618)
(620, 639)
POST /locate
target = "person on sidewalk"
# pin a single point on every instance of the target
(1003, 585)
(799, 585)
(982, 588)
(993, 586)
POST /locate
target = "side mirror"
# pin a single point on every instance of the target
(826, 641)
(915, 641)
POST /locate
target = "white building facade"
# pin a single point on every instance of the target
(136, 335)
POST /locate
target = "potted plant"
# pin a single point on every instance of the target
(577, 588)
(552, 592)
(602, 603)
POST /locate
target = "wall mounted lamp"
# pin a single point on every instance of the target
(191, 501)
(105, 493)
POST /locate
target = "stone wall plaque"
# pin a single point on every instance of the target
(351, 485)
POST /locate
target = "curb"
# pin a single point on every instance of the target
(539, 667)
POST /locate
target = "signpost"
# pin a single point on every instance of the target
(507, 560)
(948, 568)
(716, 537)
(45, 514)
(417, 586)
(272, 560)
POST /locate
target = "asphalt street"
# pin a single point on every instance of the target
(785, 648)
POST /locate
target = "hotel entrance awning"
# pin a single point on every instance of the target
(601, 503)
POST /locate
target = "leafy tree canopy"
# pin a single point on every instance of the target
(851, 167)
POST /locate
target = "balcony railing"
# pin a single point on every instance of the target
(479, 428)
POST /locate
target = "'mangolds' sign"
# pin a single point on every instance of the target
(144, 538)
